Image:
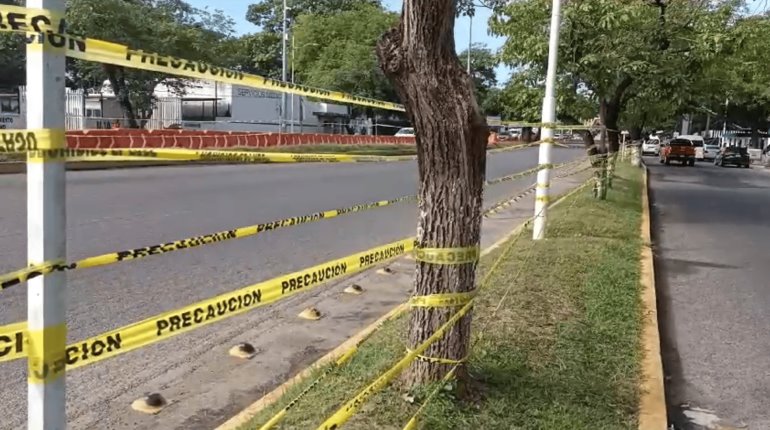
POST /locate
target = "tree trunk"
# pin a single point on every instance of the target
(419, 57)
(526, 134)
(635, 133)
(609, 112)
(117, 77)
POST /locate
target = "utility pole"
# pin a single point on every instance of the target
(724, 123)
(549, 118)
(283, 67)
(470, 41)
(46, 232)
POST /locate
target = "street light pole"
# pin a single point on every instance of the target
(283, 67)
(470, 41)
(549, 118)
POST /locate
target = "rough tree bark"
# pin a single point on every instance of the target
(117, 77)
(526, 134)
(419, 58)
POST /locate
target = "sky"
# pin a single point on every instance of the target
(237, 10)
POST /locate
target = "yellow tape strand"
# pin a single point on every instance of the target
(206, 155)
(441, 300)
(46, 361)
(31, 140)
(13, 341)
(23, 275)
(168, 324)
(426, 359)
(48, 34)
(462, 255)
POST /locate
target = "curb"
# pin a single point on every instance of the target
(268, 399)
(652, 401)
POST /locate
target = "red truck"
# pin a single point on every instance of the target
(681, 150)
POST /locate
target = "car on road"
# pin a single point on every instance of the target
(733, 155)
(697, 143)
(651, 146)
(681, 150)
(405, 132)
(711, 149)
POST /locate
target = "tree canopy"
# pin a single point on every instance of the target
(336, 51)
(617, 52)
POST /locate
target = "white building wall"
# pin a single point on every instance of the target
(238, 108)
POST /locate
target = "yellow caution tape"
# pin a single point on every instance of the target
(442, 300)
(464, 255)
(46, 361)
(31, 140)
(23, 275)
(344, 413)
(13, 341)
(49, 34)
(207, 155)
(196, 315)
(17, 18)
(426, 359)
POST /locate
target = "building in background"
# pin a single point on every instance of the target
(204, 105)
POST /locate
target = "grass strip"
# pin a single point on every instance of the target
(561, 352)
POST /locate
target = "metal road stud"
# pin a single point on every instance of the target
(354, 289)
(150, 404)
(311, 313)
(243, 350)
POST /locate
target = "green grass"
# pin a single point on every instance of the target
(562, 352)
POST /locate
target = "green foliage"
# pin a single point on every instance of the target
(170, 27)
(336, 51)
(742, 74)
(263, 49)
(483, 63)
(618, 52)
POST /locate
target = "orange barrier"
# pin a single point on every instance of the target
(132, 138)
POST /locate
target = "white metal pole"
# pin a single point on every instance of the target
(46, 235)
(283, 67)
(549, 117)
(292, 81)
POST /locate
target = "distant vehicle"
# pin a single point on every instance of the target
(651, 146)
(681, 150)
(697, 143)
(733, 155)
(405, 132)
(710, 148)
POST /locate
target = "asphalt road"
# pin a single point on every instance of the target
(121, 209)
(712, 252)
